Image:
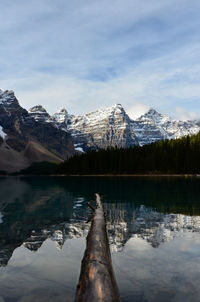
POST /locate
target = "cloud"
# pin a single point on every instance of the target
(137, 110)
(148, 86)
(89, 54)
(185, 115)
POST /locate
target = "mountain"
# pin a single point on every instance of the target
(153, 126)
(34, 135)
(24, 139)
(113, 127)
(39, 114)
(175, 156)
(99, 129)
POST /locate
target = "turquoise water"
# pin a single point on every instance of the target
(153, 227)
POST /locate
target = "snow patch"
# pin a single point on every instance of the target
(79, 149)
(153, 126)
(1, 216)
(61, 116)
(2, 134)
(6, 97)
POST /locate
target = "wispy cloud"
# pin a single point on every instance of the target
(86, 54)
(137, 110)
(185, 115)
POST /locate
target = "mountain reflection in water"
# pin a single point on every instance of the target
(38, 212)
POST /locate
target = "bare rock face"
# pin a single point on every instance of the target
(99, 129)
(34, 135)
(153, 126)
(28, 138)
(113, 127)
(61, 117)
(39, 113)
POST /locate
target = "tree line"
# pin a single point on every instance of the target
(177, 156)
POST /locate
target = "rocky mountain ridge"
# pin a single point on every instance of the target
(99, 129)
(24, 139)
(113, 127)
(35, 135)
(153, 126)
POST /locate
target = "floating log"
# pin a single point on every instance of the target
(97, 281)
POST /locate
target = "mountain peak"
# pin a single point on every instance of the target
(6, 92)
(62, 110)
(38, 109)
(39, 113)
(7, 97)
(114, 111)
(152, 111)
(116, 107)
(61, 116)
(153, 115)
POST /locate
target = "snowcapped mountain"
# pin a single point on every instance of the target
(27, 137)
(40, 136)
(39, 113)
(61, 117)
(99, 129)
(113, 127)
(153, 126)
(2, 133)
(7, 97)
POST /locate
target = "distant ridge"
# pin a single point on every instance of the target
(35, 135)
(113, 127)
(24, 139)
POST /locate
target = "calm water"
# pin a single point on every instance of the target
(153, 227)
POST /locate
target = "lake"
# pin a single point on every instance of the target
(153, 227)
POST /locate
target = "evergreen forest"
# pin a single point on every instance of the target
(178, 156)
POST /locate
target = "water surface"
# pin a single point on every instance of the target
(153, 227)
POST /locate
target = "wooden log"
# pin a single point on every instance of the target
(97, 281)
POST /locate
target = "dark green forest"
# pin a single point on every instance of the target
(178, 156)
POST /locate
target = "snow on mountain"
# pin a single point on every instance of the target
(2, 134)
(104, 127)
(99, 129)
(28, 137)
(39, 113)
(77, 148)
(8, 105)
(1, 216)
(153, 126)
(61, 116)
(113, 127)
(6, 97)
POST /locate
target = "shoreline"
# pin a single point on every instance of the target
(106, 175)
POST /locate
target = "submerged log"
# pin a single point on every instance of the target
(97, 281)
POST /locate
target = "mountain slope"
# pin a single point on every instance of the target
(34, 135)
(153, 126)
(99, 129)
(112, 127)
(27, 140)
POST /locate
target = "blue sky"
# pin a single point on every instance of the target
(85, 54)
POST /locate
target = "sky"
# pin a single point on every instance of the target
(89, 54)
